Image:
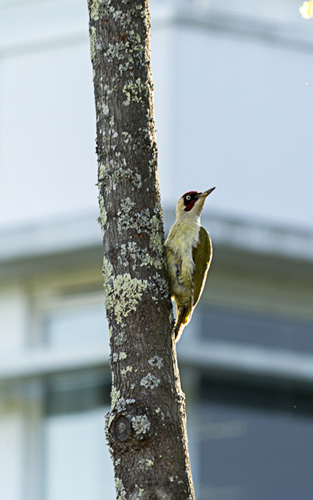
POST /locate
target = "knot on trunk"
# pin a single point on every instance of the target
(121, 428)
(129, 427)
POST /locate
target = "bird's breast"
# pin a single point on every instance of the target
(183, 237)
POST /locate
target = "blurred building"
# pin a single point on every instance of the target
(234, 107)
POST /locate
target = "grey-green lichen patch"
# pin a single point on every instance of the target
(155, 234)
(103, 213)
(118, 356)
(149, 381)
(141, 222)
(156, 361)
(130, 219)
(124, 213)
(116, 51)
(114, 170)
(122, 293)
(111, 121)
(126, 370)
(116, 14)
(159, 287)
(115, 396)
(94, 7)
(127, 292)
(140, 424)
(126, 137)
(120, 489)
(120, 404)
(92, 37)
(148, 260)
(146, 462)
(105, 109)
(107, 271)
(133, 90)
(119, 339)
(140, 257)
(138, 493)
(125, 250)
(127, 100)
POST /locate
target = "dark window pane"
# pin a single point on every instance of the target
(254, 444)
(253, 328)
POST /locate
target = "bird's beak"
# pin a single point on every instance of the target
(206, 193)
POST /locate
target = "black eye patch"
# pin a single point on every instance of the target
(189, 199)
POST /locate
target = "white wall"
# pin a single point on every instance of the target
(233, 99)
(48, 164)
(243, 107)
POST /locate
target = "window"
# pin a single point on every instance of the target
(254, 442)
(75, 325)
(76, 457)
(69, 319)
(245, 327)
(250, 433)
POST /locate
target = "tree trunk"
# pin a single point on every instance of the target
(146, 427)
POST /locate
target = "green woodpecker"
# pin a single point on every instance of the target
(188, 250)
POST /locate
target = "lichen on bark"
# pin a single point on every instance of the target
(146, 425)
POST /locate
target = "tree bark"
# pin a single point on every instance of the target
(146, 426)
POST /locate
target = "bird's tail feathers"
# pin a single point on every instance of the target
(183, 318)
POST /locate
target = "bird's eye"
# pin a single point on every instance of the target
(188, 197)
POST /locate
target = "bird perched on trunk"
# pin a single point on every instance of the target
(188, 250)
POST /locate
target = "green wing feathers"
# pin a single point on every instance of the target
(186, 288)
(202, 256)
